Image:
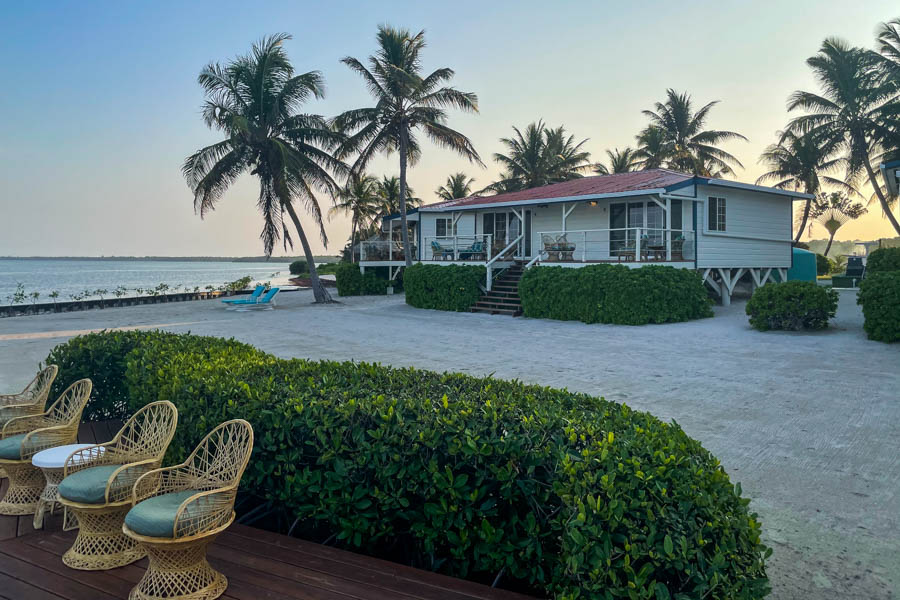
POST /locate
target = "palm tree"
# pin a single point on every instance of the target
(833, 211)
(539, 155)
(254, 101)
(690, 147)
(565, 158)
(405, 102)
(857, 110)
(653, 148)
(458, 185)
(889, 46)
(389, 194)
(800, 163)
(623, 161)
(361, 200)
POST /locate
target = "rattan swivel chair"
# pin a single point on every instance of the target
(180, 510)
(23, 437)
(98, 485)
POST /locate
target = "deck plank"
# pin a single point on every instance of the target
(260, 565)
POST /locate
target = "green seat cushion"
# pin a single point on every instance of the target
(155, 517)
(87, 486)
(11, 447)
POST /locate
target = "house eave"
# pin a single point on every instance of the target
(754, 188)
(581, 198)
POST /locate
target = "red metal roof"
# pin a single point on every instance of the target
(618, 183)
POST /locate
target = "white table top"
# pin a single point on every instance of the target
(55, 458)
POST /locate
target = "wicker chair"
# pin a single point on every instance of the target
(23, 437)
(180, 510)
(32, 399)
(98, 485)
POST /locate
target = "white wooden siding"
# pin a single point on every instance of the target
(757, 230)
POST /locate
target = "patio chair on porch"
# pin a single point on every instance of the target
(23, 437)
(438, 252)
(473, 252)
(566, 249)
(98, 486)
(678, 247)
(178, 511)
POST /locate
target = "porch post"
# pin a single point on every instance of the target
(668, 229)
(637, 246)
(564, 215)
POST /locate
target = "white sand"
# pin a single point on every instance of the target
(808, 423)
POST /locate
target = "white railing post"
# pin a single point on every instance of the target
(583, 246)
(637, 246)
(669, 244)
(455, 248)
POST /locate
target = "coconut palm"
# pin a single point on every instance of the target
(801, 163)
(889, 47)
(360, 199)
(623, 161)
(254, 101)
(389, 193)
(690, 147)
(539, 155)
(565, 158)
(653, 148)
(833, 211)
(458, 185)
(405, 102)
(857, 110)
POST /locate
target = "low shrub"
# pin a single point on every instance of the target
(883, 260)
(350, 282)
(879, 296)
(443, 287)
(614, 294)
(564, 495)
(792, 305)
(299, 267)
(824, 265)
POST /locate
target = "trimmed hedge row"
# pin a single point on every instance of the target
(614, 294)
(443, 287)
(883, 260)
(792, 305)
(879, 296)
(350, 282)
(565, 495)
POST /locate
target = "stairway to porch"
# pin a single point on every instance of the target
(503, 299)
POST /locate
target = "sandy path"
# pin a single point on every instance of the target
(808, 423)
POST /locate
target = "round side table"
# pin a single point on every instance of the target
(52, 462)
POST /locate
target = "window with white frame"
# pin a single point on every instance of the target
(716, 215)
(444, 227)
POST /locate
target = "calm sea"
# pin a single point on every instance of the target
(74, 277)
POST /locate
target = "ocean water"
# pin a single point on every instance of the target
(74, 277)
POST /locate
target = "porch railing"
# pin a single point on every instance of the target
(477, 247)
(626, 244)
(384, 250)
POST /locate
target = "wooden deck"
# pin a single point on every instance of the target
(259, 565)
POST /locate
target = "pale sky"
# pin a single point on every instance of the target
(100, 103)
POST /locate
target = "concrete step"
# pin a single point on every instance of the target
(496, 311)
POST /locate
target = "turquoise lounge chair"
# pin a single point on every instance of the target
(267, 302)
(251, 299)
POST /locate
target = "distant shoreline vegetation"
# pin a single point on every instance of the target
(279, 259)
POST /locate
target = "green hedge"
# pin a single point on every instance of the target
(298, 267)
(824, 265)
(350, 282)
(565, 495)
(792, 305)
(883, 260)
(443, 287)
(879, 296)
(614, 294)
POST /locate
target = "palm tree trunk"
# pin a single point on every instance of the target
(803, 222)
(404, 230)
(353, 239)
(319, 292)
(873, 179)
(828, 247)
